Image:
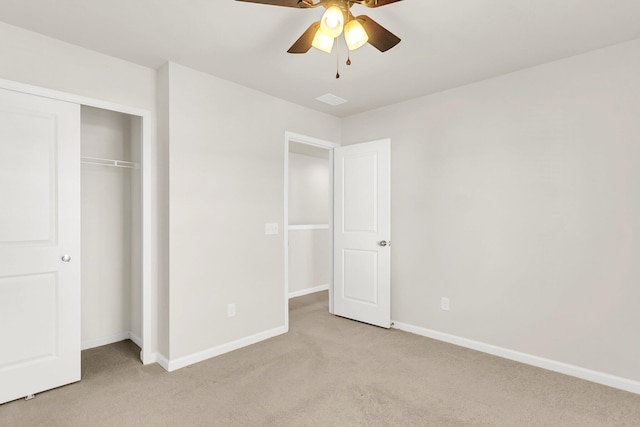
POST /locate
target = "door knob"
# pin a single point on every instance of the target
(383, 243)
(66, 258)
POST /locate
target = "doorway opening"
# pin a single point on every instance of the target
(308, 217)
(111, 227)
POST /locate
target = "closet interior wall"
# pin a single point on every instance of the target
(309, 206)
(111, 227)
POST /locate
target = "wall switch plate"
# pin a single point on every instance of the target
(444, 303)
(231, 310)
(271, 228)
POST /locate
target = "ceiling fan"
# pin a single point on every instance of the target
(336, 20)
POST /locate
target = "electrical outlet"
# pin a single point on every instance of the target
(444, 303)
(231, 310)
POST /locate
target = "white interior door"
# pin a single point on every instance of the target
(39, 244)
(362, 232)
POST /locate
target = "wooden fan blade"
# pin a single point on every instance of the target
(303, 44)
(378, 3)
(287, 3)
(379, 37)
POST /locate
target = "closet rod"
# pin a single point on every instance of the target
(110, 162)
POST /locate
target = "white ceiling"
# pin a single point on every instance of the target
(445, 43)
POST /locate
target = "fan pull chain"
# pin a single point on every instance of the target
(345, 40)
(337, 58)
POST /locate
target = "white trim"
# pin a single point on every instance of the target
(286, 231)
(320, 143)
(99, 342)
(147, 229)
(528, 359)
(308, 291)
(221, 349)
(331, 238)
(69, 97)
(146, 189)
(136, 339)
(160, 360)
(309, 227)
(309, 140)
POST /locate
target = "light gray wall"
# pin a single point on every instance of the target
(309, 250)
(135, 239)
(162, 296)
(519, 199)
(32, 58)
(226, 180)
(309, 259)
(308, 190)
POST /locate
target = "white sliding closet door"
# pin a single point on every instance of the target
(39, 244)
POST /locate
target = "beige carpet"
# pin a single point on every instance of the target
(327, 371)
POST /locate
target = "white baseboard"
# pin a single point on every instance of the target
(172, 365)
(160, 360)
(528, 359)
(308, 291)
(99, 342)
(136, 339)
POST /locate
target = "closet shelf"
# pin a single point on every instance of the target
(110, 162)
(309, 227)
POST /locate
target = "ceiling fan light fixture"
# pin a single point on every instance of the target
(354, 35)
(322, 42)
(332, 21)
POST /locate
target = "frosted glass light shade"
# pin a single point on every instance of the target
(322, 42)
(332, 22)
(354, 35)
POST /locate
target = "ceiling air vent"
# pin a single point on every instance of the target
(331, 99)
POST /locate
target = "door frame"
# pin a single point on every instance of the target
(146, 354)
(319, 143)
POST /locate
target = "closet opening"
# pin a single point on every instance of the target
(308, 228)
(111, 228)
